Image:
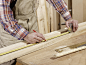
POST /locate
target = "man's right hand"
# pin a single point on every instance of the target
(34, 37)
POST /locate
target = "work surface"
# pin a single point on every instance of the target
(45, 56)
(78, 58)
(43, 53)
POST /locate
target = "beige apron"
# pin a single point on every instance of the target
(26, 15)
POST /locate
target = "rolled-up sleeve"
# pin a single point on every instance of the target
(9, 23)
(61, 7)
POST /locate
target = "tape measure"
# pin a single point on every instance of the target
(69, 30)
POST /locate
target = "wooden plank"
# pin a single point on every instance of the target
(20, 52)
(29, 50)
(45, 17)
(40, 19)
(48, 13)
(68, 50)
(18, 63)
(77, 10)
(54, 20)
(48, 18)
(57, 20)
(45, 56)
(84, 13)
(12, 47)
(42, 15)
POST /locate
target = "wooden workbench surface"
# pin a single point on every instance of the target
(46, 56)
(42, 53)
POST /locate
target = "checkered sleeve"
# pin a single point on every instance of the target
(9, 23)
(61, 7)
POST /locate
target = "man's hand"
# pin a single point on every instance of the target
(74, 22)
(34, 37)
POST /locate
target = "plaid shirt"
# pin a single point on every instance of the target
(11, 25)
(61, 7)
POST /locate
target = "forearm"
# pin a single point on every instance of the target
(61, 7)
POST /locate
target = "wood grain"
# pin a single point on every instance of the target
(84, 7)
(77, 10)
(68, 39)
(46, 56)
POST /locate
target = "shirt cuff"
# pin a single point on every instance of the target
(66, 16)
(22, 34)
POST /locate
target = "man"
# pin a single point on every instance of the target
(9, 26)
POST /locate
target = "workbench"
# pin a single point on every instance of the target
(45, 56)
(43, 53)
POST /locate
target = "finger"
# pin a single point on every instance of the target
(74, 27)
(36, 40)
(67, 24)
(41, 36)
(39, 39)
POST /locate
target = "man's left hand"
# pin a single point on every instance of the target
(74, 22)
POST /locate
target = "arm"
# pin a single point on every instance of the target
(61, 7)
(9, 23)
